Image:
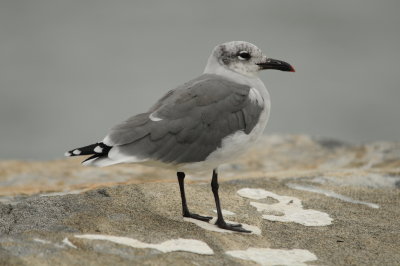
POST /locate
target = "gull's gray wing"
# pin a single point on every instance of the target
(188, 123)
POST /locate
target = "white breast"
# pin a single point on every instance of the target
(236, 144)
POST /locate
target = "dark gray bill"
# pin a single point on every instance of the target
(276, 64)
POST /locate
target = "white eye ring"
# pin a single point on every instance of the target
(244, 55)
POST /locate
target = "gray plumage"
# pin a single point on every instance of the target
(198, 126)
(195, 118)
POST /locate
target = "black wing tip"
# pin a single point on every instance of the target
(91, 157)
(96, 149)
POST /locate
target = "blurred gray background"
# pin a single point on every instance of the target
(70, 70)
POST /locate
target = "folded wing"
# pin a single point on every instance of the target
(187, 124)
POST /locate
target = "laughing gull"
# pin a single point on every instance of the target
(198, 126)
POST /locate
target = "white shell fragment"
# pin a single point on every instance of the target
(288, 209)
(271, 257)
(254, 193)
(68, 243)
(188, 245)
(331, 194)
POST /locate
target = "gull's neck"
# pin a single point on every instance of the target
(214, 67)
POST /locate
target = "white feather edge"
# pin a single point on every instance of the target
(154, 118)
(255, 97)
(107, 141)
(114, 156)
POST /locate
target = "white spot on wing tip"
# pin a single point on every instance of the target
(98, 149)
(67, 154)
(76, 152)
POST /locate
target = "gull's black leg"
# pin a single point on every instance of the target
(185, 210)
(220, 221)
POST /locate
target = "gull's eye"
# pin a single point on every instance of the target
(244, 55)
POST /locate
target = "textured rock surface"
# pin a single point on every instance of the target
(38, 225)
(274, 156)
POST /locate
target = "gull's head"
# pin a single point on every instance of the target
(243, 58)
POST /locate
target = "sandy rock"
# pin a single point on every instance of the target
(46, 208)
(274, 156)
